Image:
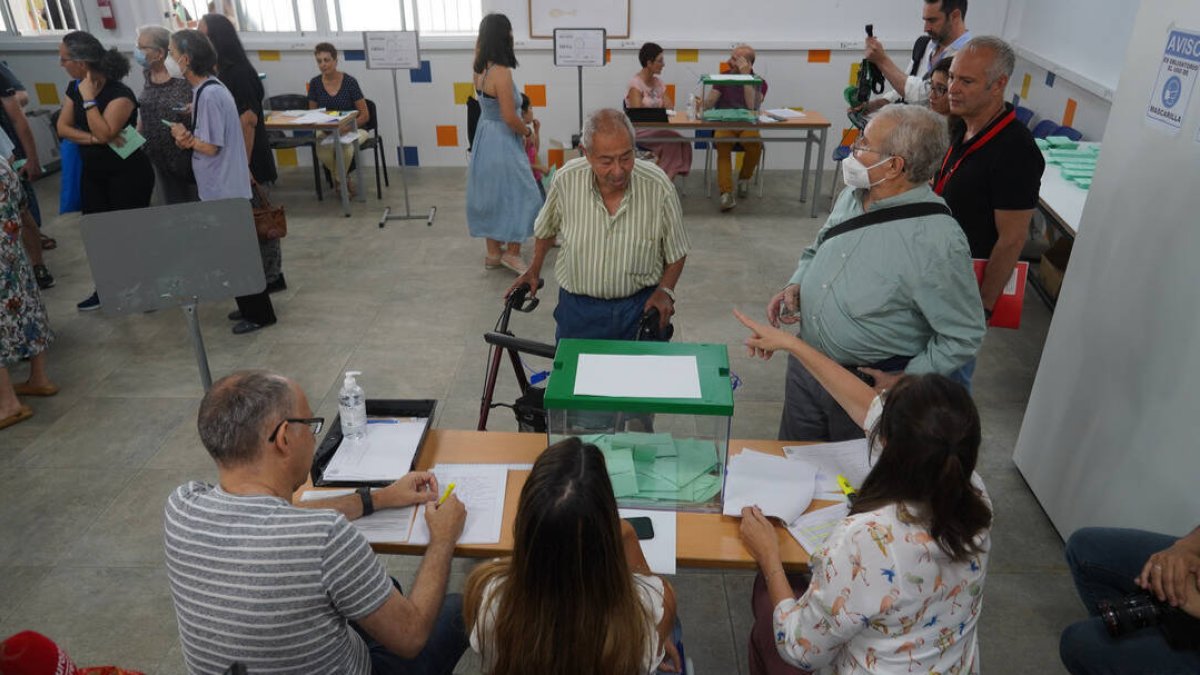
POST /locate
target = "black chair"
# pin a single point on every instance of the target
(280, 139)
(374, 143)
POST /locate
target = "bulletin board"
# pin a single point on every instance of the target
(546, 15)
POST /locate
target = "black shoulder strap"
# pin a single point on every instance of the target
(919, 53)
(196, 103)
(902, 212)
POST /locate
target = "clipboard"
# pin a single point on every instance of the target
(422, 408)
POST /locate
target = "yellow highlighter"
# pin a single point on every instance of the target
(446, 494)
(850, 492)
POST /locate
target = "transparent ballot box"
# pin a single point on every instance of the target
(659, 412)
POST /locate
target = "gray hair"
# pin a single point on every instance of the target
(606, 120)
(919, 136)
(235, 412)
(1004, 59)
(160, 37)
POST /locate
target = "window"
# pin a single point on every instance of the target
(264, 16)
(38, 17)
(431, 17)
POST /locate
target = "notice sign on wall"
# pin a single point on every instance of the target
(1176, 76)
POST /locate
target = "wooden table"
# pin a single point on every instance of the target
(702, 539)
(285, 120)
(811, 129)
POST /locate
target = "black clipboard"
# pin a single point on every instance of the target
(375, 408)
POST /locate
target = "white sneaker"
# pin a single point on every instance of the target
(727, 201)
(743, 188)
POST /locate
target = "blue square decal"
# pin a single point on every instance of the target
(354, 55)
(1049, 79)
(1016, 101)
(702, 133)
(411, 157)
(421, 74)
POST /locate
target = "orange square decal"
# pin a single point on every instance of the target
(554, 157)
(1069, 114)
(818, 55)
(724, 66)
(536, 94)
(608, 56)
(447, 136)
(671, 92)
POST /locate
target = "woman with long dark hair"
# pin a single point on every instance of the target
(241, 78)
(97, 108)
(899, 583)
(577, 595)
(647, 90)
(502, 198)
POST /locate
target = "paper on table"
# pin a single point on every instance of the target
(637, 376)
(317, 116)
(812, 529)
(785, 113)
(781, 487)
(660, 549)
(347, 138)
(848, 458)
(386, 453)
(736, 77)
(133, 141)
(481, 488)
(385, 525)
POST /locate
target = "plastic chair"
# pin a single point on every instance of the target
(1024, 115)
(375, 144)
(737, 147)
(279, 140)
(1045, 128)
(1069, 132)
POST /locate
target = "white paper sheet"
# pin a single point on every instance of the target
(812, 529)
(481, 488)
(386, 453)
(736, 77)
(848, 458)
(635, 376)
(785, 113)
(781, 487)
(385, 525)
(317, 116)
(659, 550)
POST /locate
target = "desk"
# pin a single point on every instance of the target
(702, 539)
(285, 120)
(1061, 200)
(811, 129)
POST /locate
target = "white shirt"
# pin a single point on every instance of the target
(916, 87)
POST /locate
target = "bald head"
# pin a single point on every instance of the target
(236, 413)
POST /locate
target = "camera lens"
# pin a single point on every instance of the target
(1131, 614)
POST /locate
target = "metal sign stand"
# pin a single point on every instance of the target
(579, 47)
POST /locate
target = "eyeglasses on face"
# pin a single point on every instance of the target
(314, 423)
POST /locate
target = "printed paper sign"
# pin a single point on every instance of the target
(1176, 76)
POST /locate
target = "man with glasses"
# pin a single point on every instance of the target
(945, 33)
(888, 286)
(259, 581)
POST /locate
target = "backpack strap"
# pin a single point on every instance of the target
(196, 103)
(902, 212)
(918, 53)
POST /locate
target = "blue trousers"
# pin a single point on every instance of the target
(585, 317)
(1104, 563)
(445, 646)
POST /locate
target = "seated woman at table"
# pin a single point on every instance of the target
(335, 90)
(647, 90)
(577, 595)
(899, 583)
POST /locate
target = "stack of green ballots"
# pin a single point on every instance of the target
(1076, 164)
(656, 467)
(729, 115)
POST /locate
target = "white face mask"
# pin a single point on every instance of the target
(855, 173)
(173, 68)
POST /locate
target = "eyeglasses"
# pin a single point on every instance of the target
(858, 148)
(314, 423)
(938, 89)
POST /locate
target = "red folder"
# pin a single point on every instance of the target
(1007, 311)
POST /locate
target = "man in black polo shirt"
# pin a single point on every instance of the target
(992, 172)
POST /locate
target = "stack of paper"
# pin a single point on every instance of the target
(781, 487)
(481, 488)
(812, 529)
(385, 525)
(785, 114)
(385, 454)
(848, 458)
(659, 467)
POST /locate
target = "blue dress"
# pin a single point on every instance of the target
(502, 198)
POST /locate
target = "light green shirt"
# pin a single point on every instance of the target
(609, 257)
(900, 288)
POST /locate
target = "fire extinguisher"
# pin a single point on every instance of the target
(107, 19)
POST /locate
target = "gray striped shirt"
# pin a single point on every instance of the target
(605, 256)
(259, 581)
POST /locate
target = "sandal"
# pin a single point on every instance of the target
(49, 243)
(490, 263)
(20, 416)
(26, 389)
(514, 263)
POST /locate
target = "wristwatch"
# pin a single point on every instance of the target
(364, 493)
(88, 105)
(670, 293)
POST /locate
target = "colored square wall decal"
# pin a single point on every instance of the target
(702, 133)
(47, 93)
(536, 94)
(1050, 77)
(1025, 82)
(671, 91)
(286, 157)
(411, 156)
(723, 67)
(422, 74)
(268, 55)
(1068, 119)
(854, 67)
(447, 136)
(554, 157)
(354, 55)
(462, 92)
(819, 55)
(687, 55)
(1016, 100)
(608, 56)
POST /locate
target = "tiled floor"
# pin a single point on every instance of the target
(85, 479)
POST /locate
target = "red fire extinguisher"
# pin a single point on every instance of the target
(107, 19)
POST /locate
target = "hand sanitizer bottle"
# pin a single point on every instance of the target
(352, 407)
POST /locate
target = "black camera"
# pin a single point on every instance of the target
(1142, 610)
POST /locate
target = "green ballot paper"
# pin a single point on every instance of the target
(133, 141)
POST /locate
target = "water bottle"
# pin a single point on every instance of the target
(352, 407)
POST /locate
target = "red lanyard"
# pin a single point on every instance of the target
(944, 176)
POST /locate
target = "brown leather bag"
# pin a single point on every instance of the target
(270, 222)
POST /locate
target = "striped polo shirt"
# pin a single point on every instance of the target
(609, 257)
(258, 581)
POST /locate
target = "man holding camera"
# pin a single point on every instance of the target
(620, 228)
(1112, 565)
(945, 33)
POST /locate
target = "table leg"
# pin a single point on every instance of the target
(341, 171)
(808, 139)
(358, 172)
(820, 170)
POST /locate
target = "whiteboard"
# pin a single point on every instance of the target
(392, 50)
(546, 15)
(579, 47)
(1088, 37)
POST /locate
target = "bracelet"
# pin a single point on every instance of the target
(368, 504)
(88, 105)
(670, 293)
